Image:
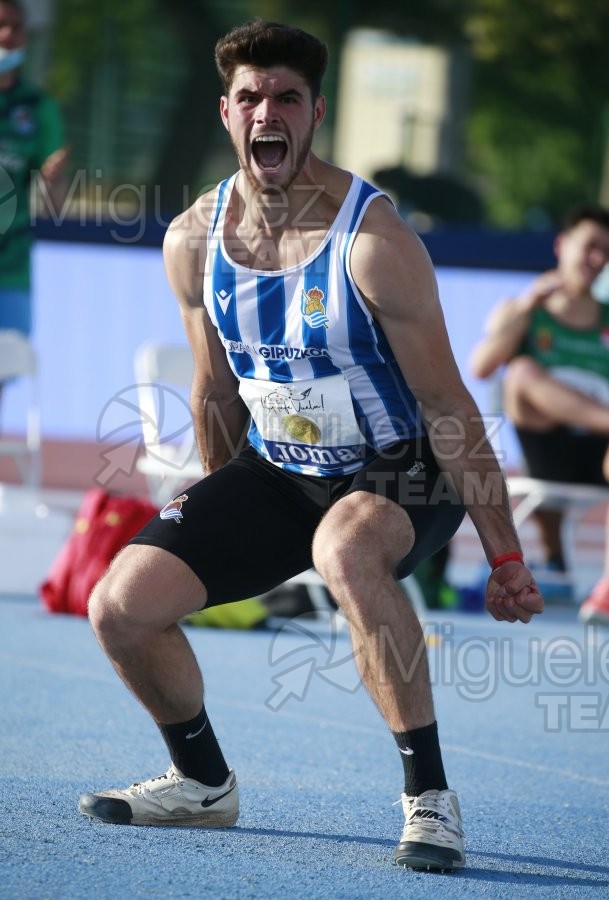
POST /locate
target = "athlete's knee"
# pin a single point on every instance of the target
(334, 557)
(360, 541)
(109, 606)
(519, 373)
(145, 590)
(132, 594)
(335, 541)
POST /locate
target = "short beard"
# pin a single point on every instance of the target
(273, 189)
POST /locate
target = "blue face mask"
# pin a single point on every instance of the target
(10, 59)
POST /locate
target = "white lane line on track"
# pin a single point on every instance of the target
(525, 764)
(111, 678)
(453, 748)
(21, 662)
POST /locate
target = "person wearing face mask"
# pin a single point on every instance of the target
(554, 343)
(31, 147)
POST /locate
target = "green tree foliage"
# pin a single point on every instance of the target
(83, 33)
(535, 136)
(537, 129)
(139, 85)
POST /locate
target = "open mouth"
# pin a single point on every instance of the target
(269, 151)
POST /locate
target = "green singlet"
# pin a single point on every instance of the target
(30, 130)
(577, 357)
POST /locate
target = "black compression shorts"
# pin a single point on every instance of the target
(564, 455)
(249, 526)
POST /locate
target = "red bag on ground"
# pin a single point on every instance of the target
(104, 524)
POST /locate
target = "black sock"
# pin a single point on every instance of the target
(422, 760)
(195, 751)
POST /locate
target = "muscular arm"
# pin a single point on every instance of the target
(395, 275)
(220, 416)
(505, 331)
(507, 326)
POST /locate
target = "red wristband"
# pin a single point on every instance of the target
(514, 556)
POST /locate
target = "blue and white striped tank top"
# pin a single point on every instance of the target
(314, 368)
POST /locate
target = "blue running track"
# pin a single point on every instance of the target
(524, 723)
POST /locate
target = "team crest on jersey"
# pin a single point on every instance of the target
(544, 339)
(313, 309)
(173, 509)
(22, 120)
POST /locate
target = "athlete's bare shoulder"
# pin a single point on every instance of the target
(389, 262)
(191, 226)
(185, 248)
(384, 236)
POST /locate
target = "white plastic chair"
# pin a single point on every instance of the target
(164, 373)
(575, 500)
(534, 493)
(531, 494)
(18, 360)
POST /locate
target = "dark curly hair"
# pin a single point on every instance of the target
(267, 44)
(586, 212)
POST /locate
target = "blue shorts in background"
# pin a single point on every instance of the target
(16, 310)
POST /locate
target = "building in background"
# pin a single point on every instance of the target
(401, 109)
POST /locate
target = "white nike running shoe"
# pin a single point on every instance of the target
(170, 799)
(432, 836)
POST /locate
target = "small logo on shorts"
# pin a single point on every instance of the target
(173, 509)
(418, 467)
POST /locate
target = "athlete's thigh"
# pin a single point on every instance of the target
(148, 586)
(408, 475)
(370, 530)
(238, 531)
